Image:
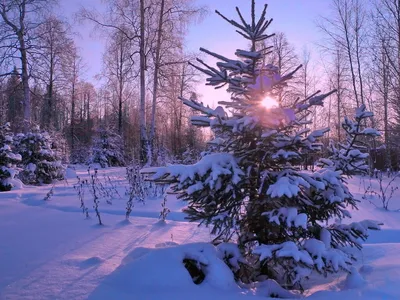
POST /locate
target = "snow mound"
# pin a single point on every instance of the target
(16, 183)
(84, 263)
(354, 279)
(271, 288)
(166, 244)
(144, 271)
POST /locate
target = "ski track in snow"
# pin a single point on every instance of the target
(83, 253)
(83, 262)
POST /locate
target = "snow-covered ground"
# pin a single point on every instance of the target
(48, 250)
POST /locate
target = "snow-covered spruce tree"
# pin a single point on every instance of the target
(251, 190)
(108, 149)
(8, 159)
(80, 155)
(39, 162)
(350, 156)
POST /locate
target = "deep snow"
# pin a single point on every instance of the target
(48, 250)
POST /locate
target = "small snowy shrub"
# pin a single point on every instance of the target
(40, 163)
(59, 145)
(136, 182)
(80, 189)
(164, 209)
(101, 189)
(49, 194)
(8, 159)
(251, 189)
(108, 149)
(139, 189)
(105, 186)
(385, 192)
(94, 190)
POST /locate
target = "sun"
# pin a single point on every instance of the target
(269, 102)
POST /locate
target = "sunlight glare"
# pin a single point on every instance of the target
(269, 103)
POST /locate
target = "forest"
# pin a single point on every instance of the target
(134, 184)
(145, 69)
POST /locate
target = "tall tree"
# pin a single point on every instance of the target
(155, 30)
(119, 70)
(55, 44)
(145, 151)
(173, 18)
(14, 95)
(346, 28)
(19, 18)
(387, 19)
(73, 71)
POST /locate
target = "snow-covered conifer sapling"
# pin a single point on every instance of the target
(40, 163)
(8, 159)
(251, 189)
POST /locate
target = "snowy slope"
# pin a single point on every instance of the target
(48, 250)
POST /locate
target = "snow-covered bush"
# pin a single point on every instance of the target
(251, 189)
(80, 155)
(59, 145)
(94, 190)
(386, 190)
(136, 191)
(8, 159)
(108, 149)
(80, 189)
(40, 164)
(102, 189)
(139, 189)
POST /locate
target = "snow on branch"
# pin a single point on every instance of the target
(314, 100)
(288, 216)
(286, 249)
(208, 113)
(353, 233)
(217, 78)
(326, 258)
(254, 31)
(351, 156)
(206, 172)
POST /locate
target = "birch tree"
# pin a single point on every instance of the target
(18, 20)
(55, 45)
(387, 20)
(346, 27)
(119, 71)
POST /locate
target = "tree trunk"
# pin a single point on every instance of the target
(155, 78)
(338, 93)
(144, 145)
(49, 109)
(73, 108)
(358, 48)
(120, 88)
(182, 87)
(88, 127)
(344, 16)
(72, 117)
(386, 114)
(25, 83)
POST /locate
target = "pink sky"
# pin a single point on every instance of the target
(296, 18)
